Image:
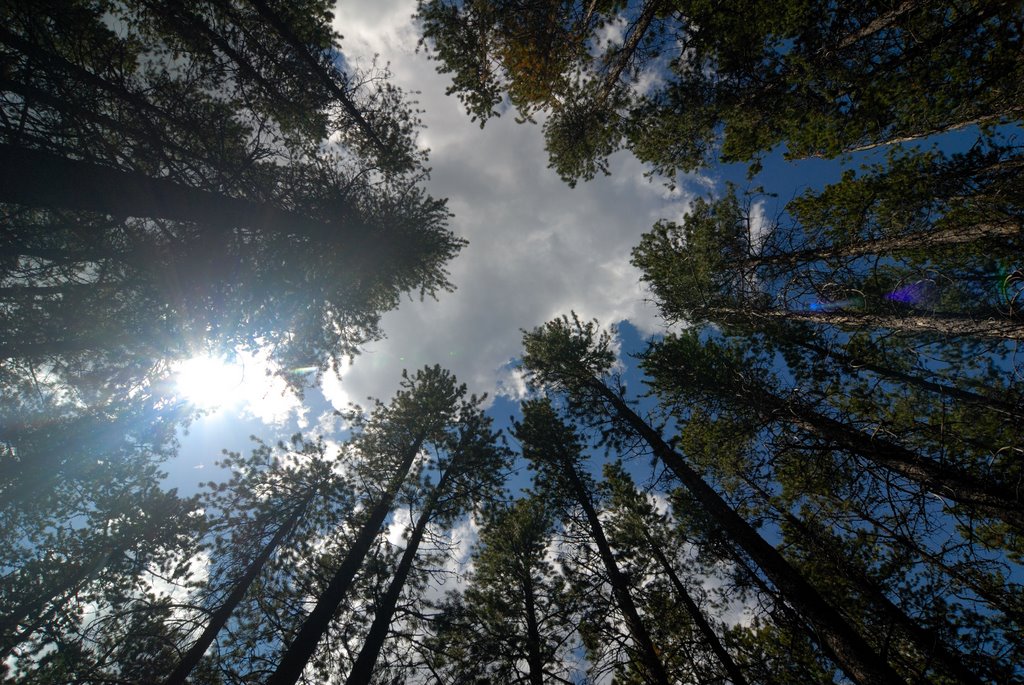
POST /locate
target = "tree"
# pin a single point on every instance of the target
(321, 238)
(707, 270)
(470, 467)
(554, 451)
(421, 415)
(58, 561)
(826, 80)
(542, 56)
(636, 519)
(513, 621)
(570, 356)
(682, 366)
(269, 501)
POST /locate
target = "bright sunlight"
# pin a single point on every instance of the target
(210, 382)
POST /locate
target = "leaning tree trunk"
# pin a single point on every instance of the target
(703, 626)
(620, 589)
(534, 657)
(305, 642)
(853, 363)
(992, 324)
(220, 617)
(986, 497)
(629, 48)
(326, 78)
(850, 650)
(373, 643)
(35, 178)
(955, 235)
(927, 641)
(36, 607)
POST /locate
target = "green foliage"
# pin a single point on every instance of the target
(734, 82)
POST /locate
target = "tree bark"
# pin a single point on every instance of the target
(880, 23)
(303, 51)
(854, 363)
(373, 643)
(10, 636)
(641, 638)
(639, 29)
(534, 657)
(851, 652)
(41, 179)
(889, 245)
(220, 617)
(991, 499)
(927, 641)
(703, 626)
(990, 325)
(305, 642)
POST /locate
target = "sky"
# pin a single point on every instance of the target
(537, 249)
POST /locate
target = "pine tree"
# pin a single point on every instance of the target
(420, 416)
(554, 451)
(570, 356)
(514, 620)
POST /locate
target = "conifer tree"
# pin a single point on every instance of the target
(572, 357)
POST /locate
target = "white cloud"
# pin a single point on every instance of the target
(538, 249)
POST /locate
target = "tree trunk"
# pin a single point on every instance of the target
(10, 636)
(854, 363)
(991, 499)
(965, 576)
(888, 245)
(220, 617)
(362, 669)
(534, 657)
(851, 652)
(40, 179)
(933, 131)
(305, 642)
(880, 23)
(343, 98)
(992, 325)
(927, 641)
(731, 669)
(629, 47)
(641, 638)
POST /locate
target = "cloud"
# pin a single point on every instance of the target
(537, 249)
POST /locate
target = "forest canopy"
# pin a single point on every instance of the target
(811, 473)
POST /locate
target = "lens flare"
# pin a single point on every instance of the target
(921, 292)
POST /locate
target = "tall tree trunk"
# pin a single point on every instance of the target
(990, 324)
(854, 363)
(986, 497)
(639, 29)
(880, 23)
(927, 641)
(534, 656)
(1014, 111)
(305, 642)
(648, 656)
(852, 653)
(35, 178)
(325, 77)
(964, 574)
(220, 617)
(954, 235)
(36, 607)
(373, 643)
(703, 626)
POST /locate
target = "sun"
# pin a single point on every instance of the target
(210, 382)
